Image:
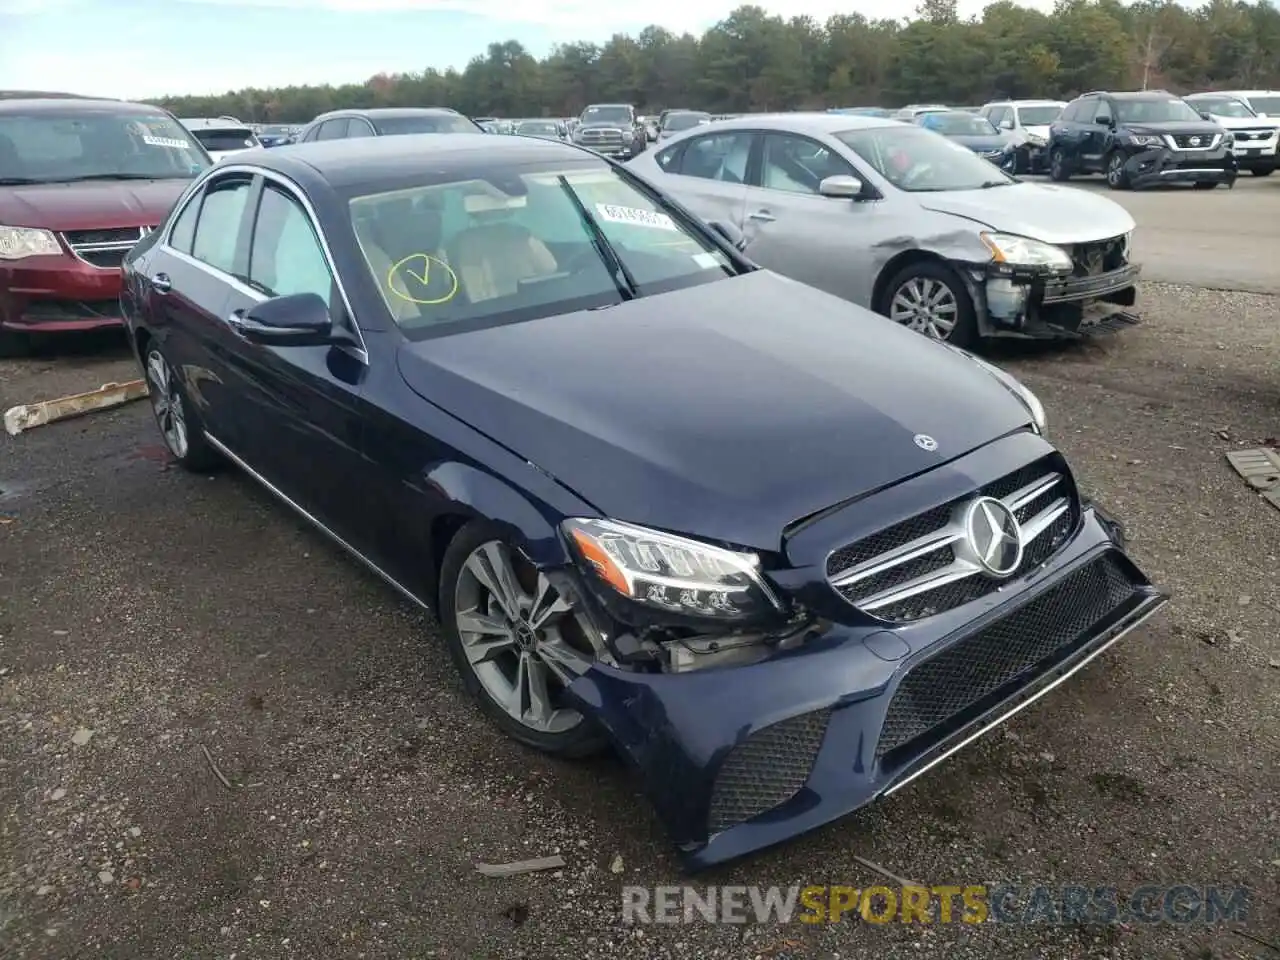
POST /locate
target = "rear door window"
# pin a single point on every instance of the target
(333, 129)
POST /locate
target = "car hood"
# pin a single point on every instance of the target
(1180, 127)
(988, 142)
(89, 205)
(1248, 123)
(1038, 130)
(726, 410)
(1040, 211)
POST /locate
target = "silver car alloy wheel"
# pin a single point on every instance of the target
(927, 306)
(166, 402)
(516, 640)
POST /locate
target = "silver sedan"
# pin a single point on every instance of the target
(900, 219)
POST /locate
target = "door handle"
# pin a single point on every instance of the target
(763, 215)
(161, 283)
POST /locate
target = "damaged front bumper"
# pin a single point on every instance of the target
(1148, 168)
(1033, 303)
(740, 758)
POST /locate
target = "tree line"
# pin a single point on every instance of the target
(754, 61)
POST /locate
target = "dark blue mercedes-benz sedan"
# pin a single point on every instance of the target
(783, 554)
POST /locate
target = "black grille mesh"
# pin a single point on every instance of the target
(109, 235)
(767, 769)
(961, 591)
(1030, 638)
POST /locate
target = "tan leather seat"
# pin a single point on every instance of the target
(393, 288)
(491, 260)
(396, 230)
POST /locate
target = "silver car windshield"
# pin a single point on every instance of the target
(921, 161)
(1223, 108)
(1039, 116)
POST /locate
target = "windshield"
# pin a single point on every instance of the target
(1039, 116)
(1152, 110)
(235, 138)
(538, 127)
(918, 160)
(424, 123)
(48, 147)
(958, 124)
(1223, 108)
(517, 247)
(607, 114)
(686, 121)
(1268, 105)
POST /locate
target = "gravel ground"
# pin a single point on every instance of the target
(149, 616)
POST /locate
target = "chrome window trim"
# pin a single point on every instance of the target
(296, 193)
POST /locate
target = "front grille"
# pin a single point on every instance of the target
(1254, 134)
(919, 567)
(597, 138)
(1195, 141)
(767, 769)
(970, 676)
(104, 248)
(1097, 257)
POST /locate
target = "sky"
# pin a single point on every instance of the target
(150, 48)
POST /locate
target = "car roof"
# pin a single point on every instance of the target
(1237, 93)
(816, 123)
(388, 113)
(375, 161)
(1027, 103)
(76, 105)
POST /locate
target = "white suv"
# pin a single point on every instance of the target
(1028, 121)
(1256, 129)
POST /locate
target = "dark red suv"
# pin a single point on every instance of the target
(81, 181)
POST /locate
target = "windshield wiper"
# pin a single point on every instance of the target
(988, 184)
(622, 277)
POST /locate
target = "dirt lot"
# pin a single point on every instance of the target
(147, 616)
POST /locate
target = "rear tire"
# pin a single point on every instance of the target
(176, 416)
(1263, 171)
(1058, 169)
(1204, 186)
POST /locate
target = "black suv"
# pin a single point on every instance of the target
(1140, 139)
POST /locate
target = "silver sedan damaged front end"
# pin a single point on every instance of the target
(1073, 290)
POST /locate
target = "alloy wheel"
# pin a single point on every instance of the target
(166, 403)
(925, 305)
(1115, 171)
(521, 637)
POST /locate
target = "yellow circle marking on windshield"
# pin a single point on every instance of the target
(422, 276)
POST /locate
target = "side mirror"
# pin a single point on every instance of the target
(841, 186)
(1006, 124)
(1102, 121)
(1263, 115)
(731, 233)
(1205, 115)
(298, 320)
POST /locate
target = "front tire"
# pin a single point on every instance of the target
(1058, 169)
(1204, 186)
(178, 420)
(1117, 175)
(517, 642)
(930, 298)
(14, 344)
(1262, 171)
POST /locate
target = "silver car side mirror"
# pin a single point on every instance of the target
(841, 186)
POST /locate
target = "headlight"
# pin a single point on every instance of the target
(671, 573)
(1036, 140)
(1015, 386)
(1145, 140)
(1228, 139)
(1025, 252)
(19, 242)
(1126, 245)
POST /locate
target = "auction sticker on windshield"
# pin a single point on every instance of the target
(634, 216)
(165, 142)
